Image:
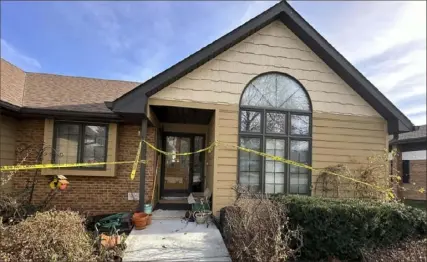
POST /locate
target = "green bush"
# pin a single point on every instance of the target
(342, 228)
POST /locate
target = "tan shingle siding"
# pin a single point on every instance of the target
(273, 48)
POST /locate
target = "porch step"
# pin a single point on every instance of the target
(168, 214)
(173, 201)
(172, 206)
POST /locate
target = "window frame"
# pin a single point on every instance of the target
(80, 147)
(406, 178)
(263, 135)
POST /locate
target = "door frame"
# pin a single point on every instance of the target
(191, 161)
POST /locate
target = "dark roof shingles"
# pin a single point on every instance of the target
(57, 92)
(420, 133)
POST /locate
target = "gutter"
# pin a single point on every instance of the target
(57, 113)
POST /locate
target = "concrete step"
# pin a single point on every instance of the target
(168, 214)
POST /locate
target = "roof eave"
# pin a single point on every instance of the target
(397, 121)
(153, 85)
(346, 71)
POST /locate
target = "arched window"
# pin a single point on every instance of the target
(275, 117)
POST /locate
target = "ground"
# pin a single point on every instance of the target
(170, 238)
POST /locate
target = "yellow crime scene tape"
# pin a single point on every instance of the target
(298, 164)
(388, 191)
(135, 163)
(276, 158)
(209, 149)
(50, 166)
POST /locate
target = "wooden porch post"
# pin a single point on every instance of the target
(142, 170)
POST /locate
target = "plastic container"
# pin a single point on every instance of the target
(148, 209)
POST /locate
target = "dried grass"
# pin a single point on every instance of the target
(256, 229)
(47, 236)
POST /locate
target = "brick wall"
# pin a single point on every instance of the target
(94, 195)
(417, 179)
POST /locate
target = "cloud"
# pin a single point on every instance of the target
(18, 58)
(137, 41)
(386, 41)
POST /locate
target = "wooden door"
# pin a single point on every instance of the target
(176, 168)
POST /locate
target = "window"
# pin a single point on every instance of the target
(406, 171)
(80, 143)
(275, 117)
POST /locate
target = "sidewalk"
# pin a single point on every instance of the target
(169, 238)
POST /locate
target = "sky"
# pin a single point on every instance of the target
(385, 40)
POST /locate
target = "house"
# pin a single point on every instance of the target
(273, 84)
(411, 162)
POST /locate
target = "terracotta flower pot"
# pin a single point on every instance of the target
(140, 220)
(149, 218)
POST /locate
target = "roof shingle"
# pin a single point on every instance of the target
(12, 82)
(420, 133)
(57, 92)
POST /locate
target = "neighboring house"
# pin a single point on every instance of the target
(273, 84)
(412, 161)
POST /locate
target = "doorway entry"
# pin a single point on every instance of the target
(182, 175)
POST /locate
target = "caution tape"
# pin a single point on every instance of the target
(135, 164)
(209, 149)
(275, 158)
(50, 166)
(298, 164)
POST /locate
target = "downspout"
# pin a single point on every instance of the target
(142, 170)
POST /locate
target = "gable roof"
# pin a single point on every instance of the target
(30, 92)
(135, 100)
(419, 135)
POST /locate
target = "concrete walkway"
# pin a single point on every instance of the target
(169, 238)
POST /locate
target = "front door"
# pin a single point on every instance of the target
(182, 174)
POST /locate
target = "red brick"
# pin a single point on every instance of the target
(93, 195)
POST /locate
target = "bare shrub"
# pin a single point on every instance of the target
(11, 208)
(375, 178)
(328, 185)
(406, 251)
(47, 236)
(256, 229)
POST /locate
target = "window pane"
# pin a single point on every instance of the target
(269, 177)
(275, 123)
(279, 178)
(269, 188)
(275, 91)
(198, 164)
(299, 151)
(94, 150)
(299, 175)
(250, 164)
(274, 170)
(67, 143)
(279, 188)
(250, 121)
(300, 125)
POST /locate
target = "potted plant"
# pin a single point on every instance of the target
(140, 220)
